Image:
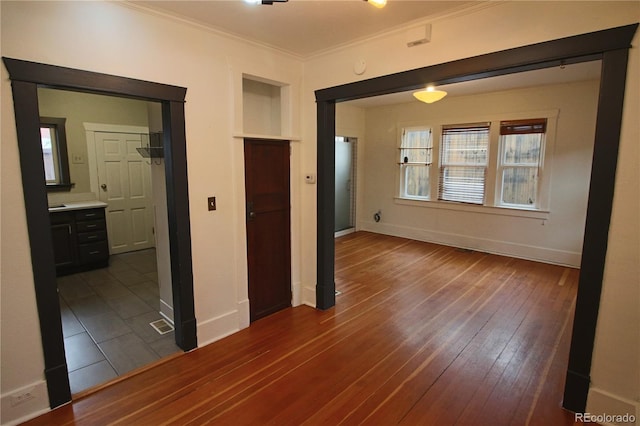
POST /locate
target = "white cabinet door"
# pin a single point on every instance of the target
(124, 180)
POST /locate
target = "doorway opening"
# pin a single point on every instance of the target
(26, 78)
(345, 200)
(611, 46)
(116, 203)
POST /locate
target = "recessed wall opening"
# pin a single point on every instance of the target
(262, 108)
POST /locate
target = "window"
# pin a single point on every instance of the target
(493, 163)
(416, 153)
(54, 153)
(463, 163)
(522, 144)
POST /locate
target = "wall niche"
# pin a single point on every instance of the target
(262, 108)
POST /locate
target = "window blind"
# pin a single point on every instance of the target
(463, 162)
(519, 127)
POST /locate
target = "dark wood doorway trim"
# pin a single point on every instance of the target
(26, 77)
(611, 47)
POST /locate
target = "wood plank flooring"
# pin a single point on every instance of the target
(421, 335)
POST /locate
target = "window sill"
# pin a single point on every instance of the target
(492, 210)
(267, 137)
(59, 187)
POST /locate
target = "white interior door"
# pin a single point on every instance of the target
(124, 180)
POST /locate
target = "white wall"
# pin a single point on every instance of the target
(494, 27)
(161, 218)
(145, 46)
(554, 237)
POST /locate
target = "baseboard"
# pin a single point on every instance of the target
(296, 294)
(214, 329)
(22, 404)
(606, 406)
(309, 295)
(168, 319)
(505, 248)
(243, 314)
(344, 232)
(166, 310)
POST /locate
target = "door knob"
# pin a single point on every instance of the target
(250, 213)
(103, 186)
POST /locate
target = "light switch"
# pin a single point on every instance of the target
(212, 203)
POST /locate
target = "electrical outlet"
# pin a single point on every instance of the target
(23, 397)
(212, 203)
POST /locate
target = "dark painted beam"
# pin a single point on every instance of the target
(596, 235)
(179, 226)
(541, 55)
(86, 81)
(325, 284)
(39, 228)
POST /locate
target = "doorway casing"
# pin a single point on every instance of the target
(611, 47)
(25, 78)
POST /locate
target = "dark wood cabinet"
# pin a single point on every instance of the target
(79, 240)
(63, 244)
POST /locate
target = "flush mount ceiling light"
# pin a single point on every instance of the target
(429, 95)
(377, 3)
(269, 2)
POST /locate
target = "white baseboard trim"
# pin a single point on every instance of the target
(344, 232)
(166, 310)
(505, 248)
(14, 412)
(309, 295)
(296, 294)
(214, 329)
(243, 314)
(603, 403)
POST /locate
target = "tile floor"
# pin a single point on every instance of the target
(105, 319)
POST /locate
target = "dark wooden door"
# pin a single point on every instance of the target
(268, 225)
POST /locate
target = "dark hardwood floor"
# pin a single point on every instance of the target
(421, 335)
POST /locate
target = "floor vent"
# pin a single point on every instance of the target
(161, 326)
(338, 293)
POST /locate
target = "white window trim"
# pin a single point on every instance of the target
(400, 170)
(475, 208)
(492, 188)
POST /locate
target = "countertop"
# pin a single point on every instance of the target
(76, 205)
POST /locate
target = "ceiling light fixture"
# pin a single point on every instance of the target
(429, 95)
(377, 3)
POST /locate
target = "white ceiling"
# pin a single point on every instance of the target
(305, 27)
